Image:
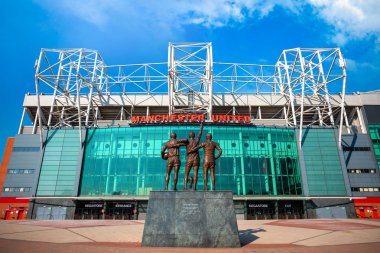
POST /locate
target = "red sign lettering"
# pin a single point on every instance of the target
(218, 118)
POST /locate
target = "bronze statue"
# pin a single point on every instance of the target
(209, 158)
(191, 182)
(192, 158)
(172, 158)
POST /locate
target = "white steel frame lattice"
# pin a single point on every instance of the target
(80, 81)
(309, 73)
(190, 78)
(76, 71)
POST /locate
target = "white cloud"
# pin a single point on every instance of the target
(351, 64)
(94, 12)
(361, 67)
(209, 13)
(349, 19)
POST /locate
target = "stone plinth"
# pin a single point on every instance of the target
(191, 219)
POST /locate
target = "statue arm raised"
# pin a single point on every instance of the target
(220, 151)
(200, 133)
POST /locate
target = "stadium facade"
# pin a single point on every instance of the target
(295, 145)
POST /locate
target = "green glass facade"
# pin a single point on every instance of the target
(322, 161)
(60, 164)
(127, 160)
(374, 130)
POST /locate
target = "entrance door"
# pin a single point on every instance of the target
(375, 213)
(260, 210)
(58, 213)
(89, 211)
(51, 213)
(20, 214)
(359, 212)
(88, 214)
(7, 215)
(290, 209)
(119, 211)
(119, 214)
(43, 213)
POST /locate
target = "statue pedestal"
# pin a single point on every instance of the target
(204, 219)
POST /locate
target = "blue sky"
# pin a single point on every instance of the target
(245, 31)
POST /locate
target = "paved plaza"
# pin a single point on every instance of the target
(125, 236)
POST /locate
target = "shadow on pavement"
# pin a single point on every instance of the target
(247, 236)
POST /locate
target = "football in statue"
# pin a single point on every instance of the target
(166, 156)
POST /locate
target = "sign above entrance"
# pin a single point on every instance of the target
(186, 118)
(93, 205)
(121, 205)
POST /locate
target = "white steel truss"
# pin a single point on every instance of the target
(190, 78)
(80, 83)
(312, 74)
(69, 73)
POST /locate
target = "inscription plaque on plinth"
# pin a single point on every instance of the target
(191, 219)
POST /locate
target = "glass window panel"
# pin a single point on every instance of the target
(322, 161)
(60, 161)
(45, 188)
(46, 192)
(119, 161)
